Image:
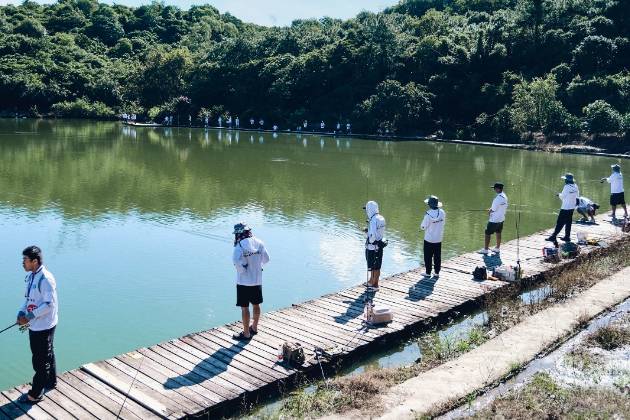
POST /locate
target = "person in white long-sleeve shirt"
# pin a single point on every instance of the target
(496, 217)
(374, 243)
(39, 313)
(617, 196)
(569, 197)
(433, 227)
(248, 257)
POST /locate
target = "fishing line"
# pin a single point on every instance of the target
(9, 327)
(130, 386)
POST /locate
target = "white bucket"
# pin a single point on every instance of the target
(582, 236)
(381, 315)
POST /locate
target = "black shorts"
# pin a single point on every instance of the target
(248, 294)
(617, 199)
(494, 228)
(374, 258)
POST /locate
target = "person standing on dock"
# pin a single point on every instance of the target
(496, 214)
(261, 123)
(617, 196)
(433, 227)
(248, 257)
(348, 131)
(251, 122)
(220, 121)
(322, 126)
(569, 196)
(374, 243)
(237, 122)
(39, 314)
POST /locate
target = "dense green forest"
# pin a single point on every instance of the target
(488, 69)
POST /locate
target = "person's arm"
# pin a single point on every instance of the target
(49, 304)
(236, 259)
(425, 222)
(372, 230)
(263, 254)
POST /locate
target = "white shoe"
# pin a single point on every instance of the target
(436, 276)
(483, 251)
(426, 275)
(496, 250)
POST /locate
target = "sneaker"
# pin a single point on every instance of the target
(436, 276)
(565, 239)
(496, 250)
(426, 275)
(551, 239)
(373, 288)
(483, 251)
(26, 399)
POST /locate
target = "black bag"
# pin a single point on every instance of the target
(480, 273)
(293, 353)
(382, 243)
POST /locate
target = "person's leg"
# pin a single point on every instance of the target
(256, 317)
(498, 240)
(437, 257)
(245, 317)
(486, 244)
(568, 222)
(625, 210)
(428, 257)
(51, 364)
(559, 225)
(376, 274)
(37, 341)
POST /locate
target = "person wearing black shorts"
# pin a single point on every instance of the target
(249, 257)
(617, 196)
(496, 214)
(374, 243)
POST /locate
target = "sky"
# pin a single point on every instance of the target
(270, 12)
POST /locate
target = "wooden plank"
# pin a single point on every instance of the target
(143, 395)
(56, 397)
(46, 408)
(80, 387)
(33, 411)
(128, 404)
(9, 410)
(87, 404)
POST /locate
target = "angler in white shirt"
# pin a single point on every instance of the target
(433, 227)
(587, 208)
(496, 214)
(569, 196)
(237, 122)
(374, 243)
(617, 197)
(39, 313)
(248, 257)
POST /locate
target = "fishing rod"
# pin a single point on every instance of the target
(9, 327)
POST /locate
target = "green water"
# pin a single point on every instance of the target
(135, 223)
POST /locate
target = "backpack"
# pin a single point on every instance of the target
(480, 273)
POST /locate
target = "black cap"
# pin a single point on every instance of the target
(498, 185)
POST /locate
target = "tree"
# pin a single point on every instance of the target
(594, 54)
(396, 107)
(601, 117)
(31, 27)
(535, 107)
(164, 75)
(105, 26)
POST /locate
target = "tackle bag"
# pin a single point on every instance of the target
(550, 254)
(480, 273)
(506, 273)
(570, 250)
(293, 353)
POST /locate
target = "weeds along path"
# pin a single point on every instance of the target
(485, 365)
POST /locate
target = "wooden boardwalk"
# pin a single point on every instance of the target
(210, 373)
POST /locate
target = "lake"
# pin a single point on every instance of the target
(135, 223)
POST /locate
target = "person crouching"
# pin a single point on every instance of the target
(586, 208)
(248, 257)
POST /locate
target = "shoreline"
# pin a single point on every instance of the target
(574, 149)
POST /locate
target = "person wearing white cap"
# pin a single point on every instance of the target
(433, 227)
(617, 197)
(496, 214)
(569, 197)
(248, 257)
(374, 243)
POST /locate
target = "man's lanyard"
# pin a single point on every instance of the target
(30, 283)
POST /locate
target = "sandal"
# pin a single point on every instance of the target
(24, 399)
(240, 336)
(252, 331)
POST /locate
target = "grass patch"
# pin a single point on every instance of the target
(544, 398)
(609, 337)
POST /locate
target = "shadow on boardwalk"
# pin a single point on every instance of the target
(356, 307)
(204, 370)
